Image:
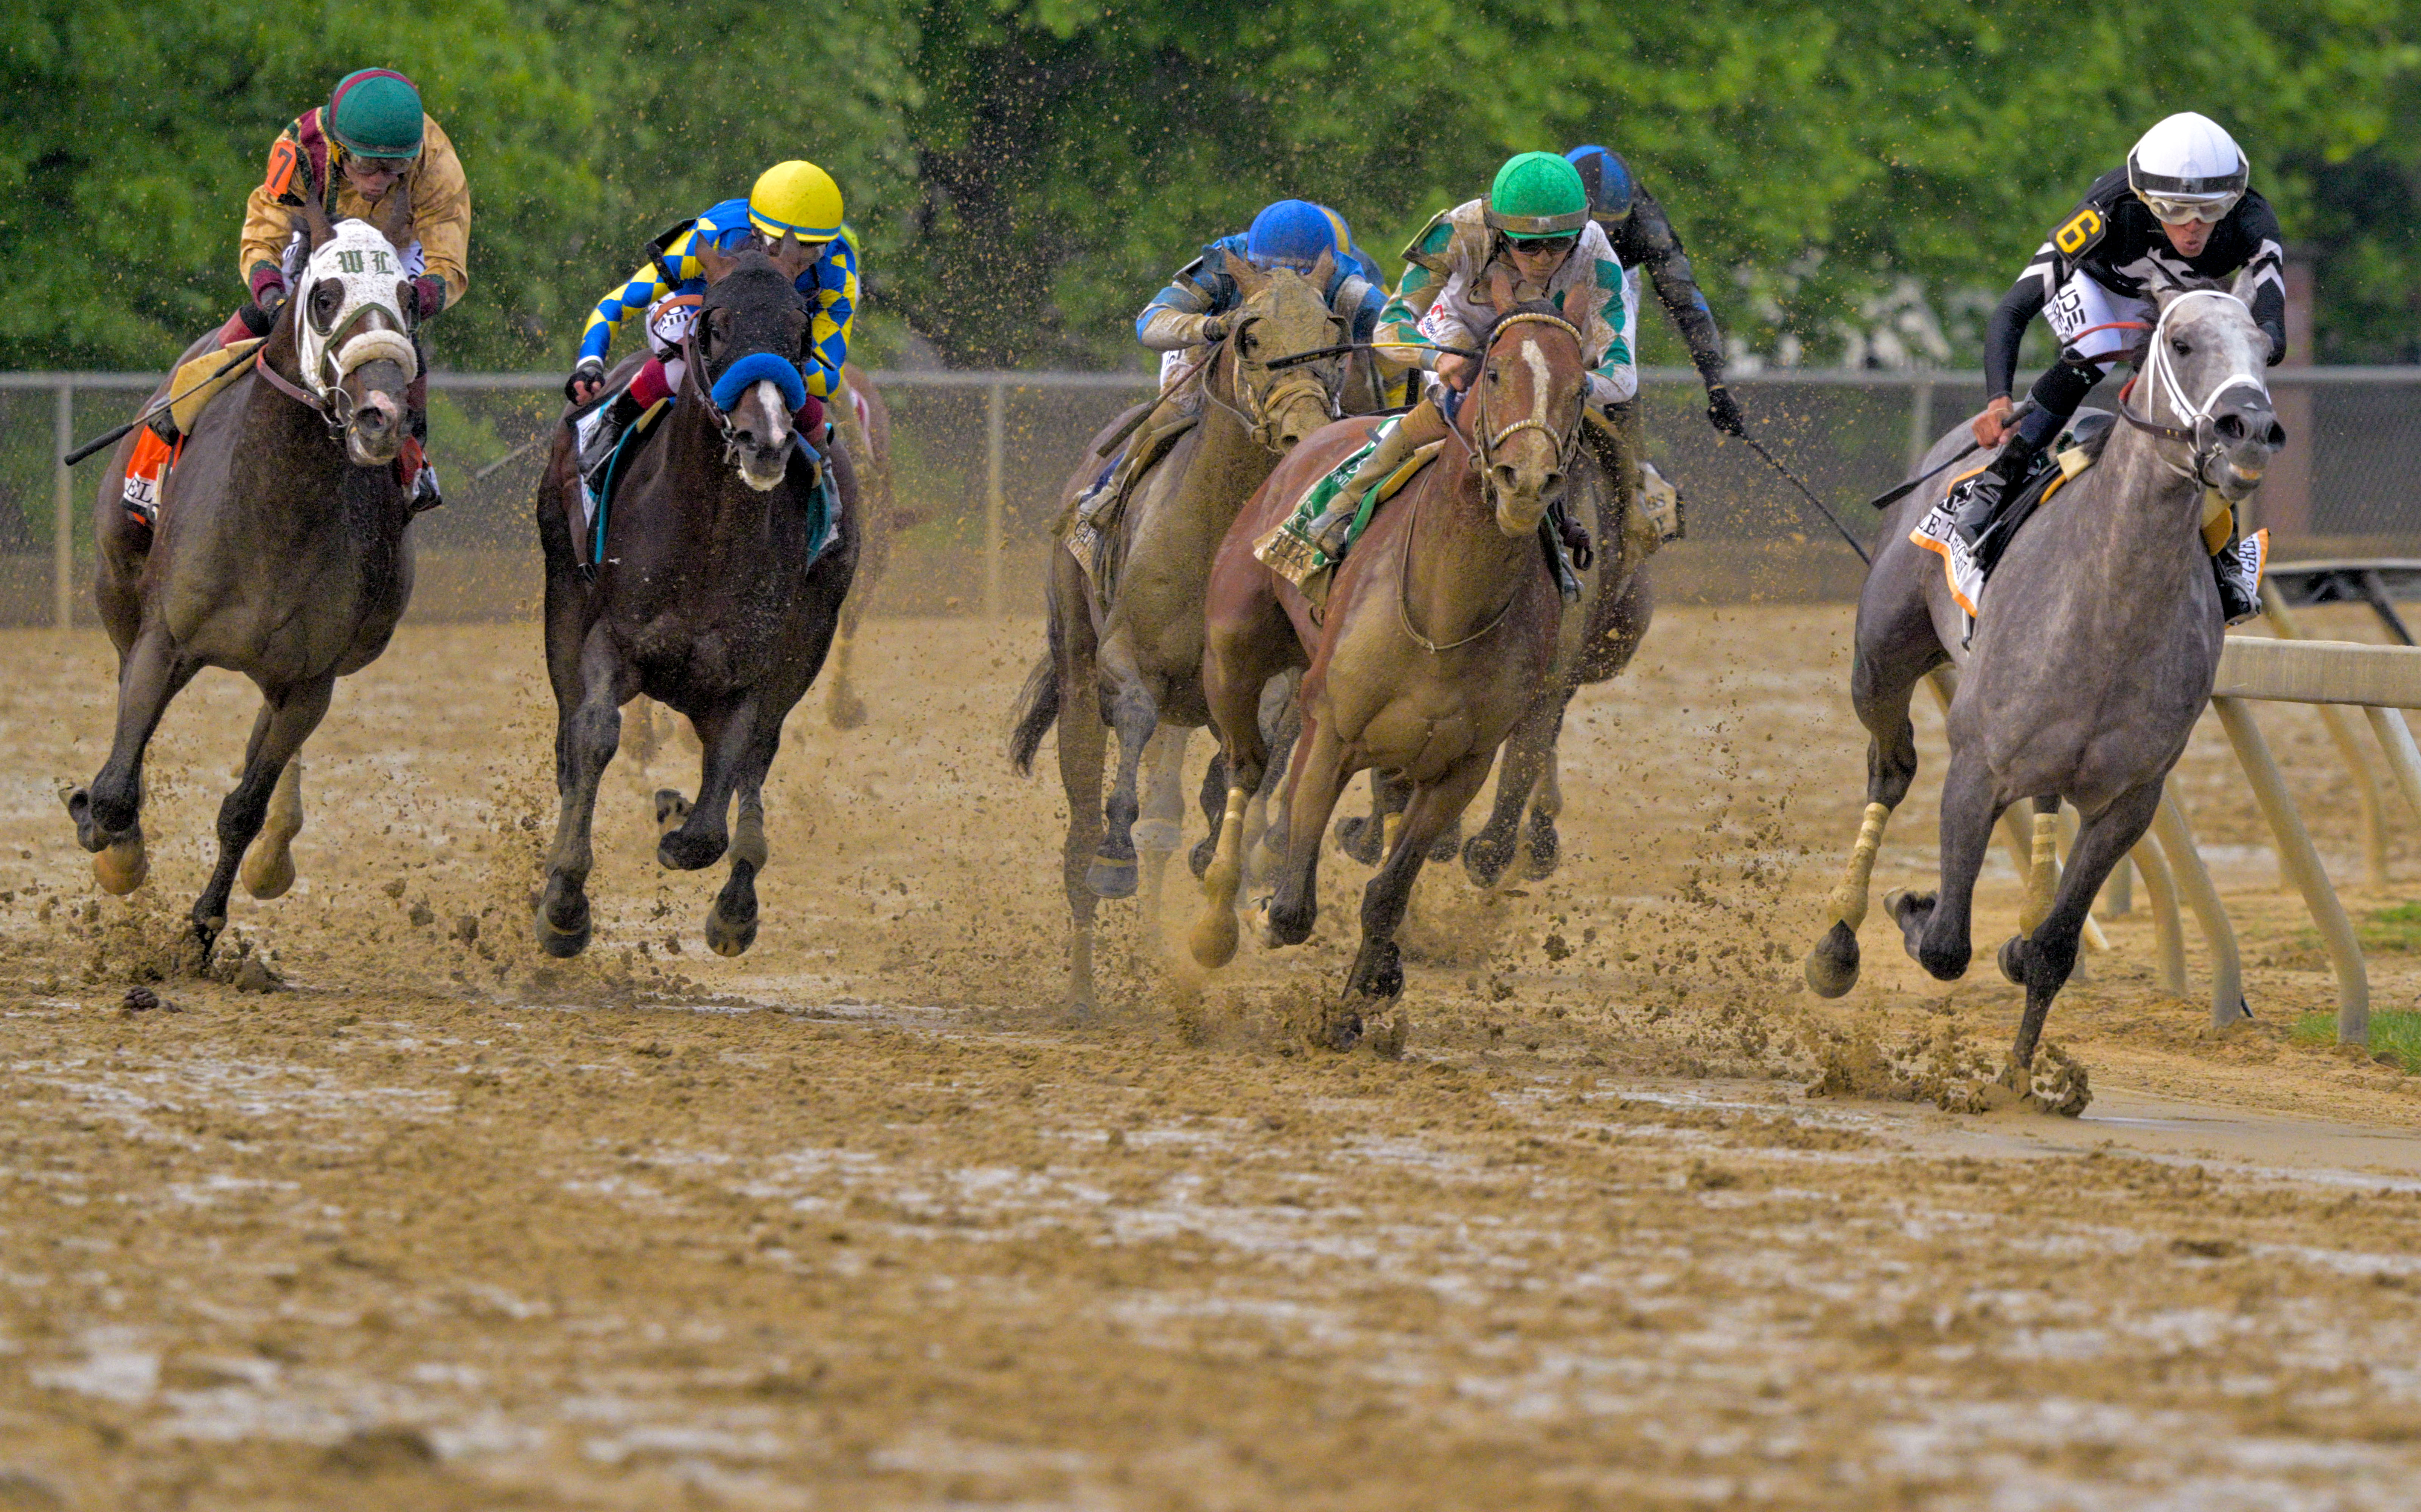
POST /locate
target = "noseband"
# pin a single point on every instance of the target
(1489, 440)
(1254, 409)
(367, 274)
(2196, 433)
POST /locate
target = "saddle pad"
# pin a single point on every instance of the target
(585, 426)
(1966, 569)
(1290, 551)
(194, 386)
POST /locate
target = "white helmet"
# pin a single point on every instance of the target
(2187, 168)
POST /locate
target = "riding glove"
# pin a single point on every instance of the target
(1724, 412)
(586, 370)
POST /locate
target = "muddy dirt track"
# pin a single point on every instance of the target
(862, 1221)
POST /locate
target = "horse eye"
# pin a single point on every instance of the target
(2180, 347)
(1494, 376)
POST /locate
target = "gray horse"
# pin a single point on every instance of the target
(2094, 652)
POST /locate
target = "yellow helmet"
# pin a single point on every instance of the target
(797, 197)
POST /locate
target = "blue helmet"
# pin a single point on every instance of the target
(1292, 233)
(1607, 178)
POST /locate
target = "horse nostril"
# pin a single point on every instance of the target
(1551, 482)
(2275, 435)
(2231, 426)
(1504, 477)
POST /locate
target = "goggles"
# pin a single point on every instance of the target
(746, 237)
(1545, 247)
(2174, 210)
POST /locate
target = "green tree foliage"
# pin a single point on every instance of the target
(1026, 171)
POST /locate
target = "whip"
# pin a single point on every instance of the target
(1890, 496)
(112, 438)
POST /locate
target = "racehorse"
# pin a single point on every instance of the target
(721, 579)
(2096, 644)
(280, 552)
(1439, 632)
(1136, 654)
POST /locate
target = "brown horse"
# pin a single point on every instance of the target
(1132, 660)
(867, 435)
(280, 552)
(718, 594)
(1439, 632)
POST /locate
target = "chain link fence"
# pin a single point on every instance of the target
(980, 458)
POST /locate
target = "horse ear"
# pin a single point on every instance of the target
(1500, 287)
(1248, 278)
(392, 214)
(314, 225)
(710, 257)
(1322, 271)
(792, 256)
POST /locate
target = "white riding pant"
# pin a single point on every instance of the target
(2084, 303)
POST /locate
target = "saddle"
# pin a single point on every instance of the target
(1967, 569)
(1288, 550)
(162, 440)
(1133, 453)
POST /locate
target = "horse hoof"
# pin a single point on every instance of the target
(1484, 862)
(685, 851)
(122, 867)
(1359, 838)
(1215, 937)
(1340, 1029)
(1545, 849)
(562, 925)
(1383, 976)
(1445, 846)
(1831, 967)
(2013, 960)
(1111, 879)
(671, 809)
(728, 939)
(265, 879)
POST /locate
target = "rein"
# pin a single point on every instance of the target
(1484, 454)
(1252, 409)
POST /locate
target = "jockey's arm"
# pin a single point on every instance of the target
(633, 296)
(1186, 313)
(441, 217)
(1415, 322)
(267, 217)
(2017, 307)
(831, 308)
(1647, 239)
(2269, 301)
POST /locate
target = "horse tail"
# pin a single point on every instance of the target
(1038, 706)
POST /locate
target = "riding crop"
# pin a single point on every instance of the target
(1882, 501)
(115, 436)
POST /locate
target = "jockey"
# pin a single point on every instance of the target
(370, 137)
(1291, 233)
(1643, 238)
(2179, 209)
(1534, 234)
(795, 198)
(1191, 312)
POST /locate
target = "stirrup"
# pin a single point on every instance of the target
(426, 495)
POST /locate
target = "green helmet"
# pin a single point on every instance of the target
(1538, 194)
(374, 113)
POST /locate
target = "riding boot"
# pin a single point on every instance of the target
(1097, 504)
(598, 451)
(1982, 496)
(1418, 428)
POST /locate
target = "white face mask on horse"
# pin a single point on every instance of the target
(349, 308)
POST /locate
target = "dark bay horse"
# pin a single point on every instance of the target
(280, 554)
(1135, 662)
(1439, 633)
(2096, 646)
(716, 597)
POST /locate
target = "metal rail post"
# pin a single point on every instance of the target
(2370, 803)
(2192, 878)
(2302, 863)
(1920, 424)
(63, 511)
(995, 427)
(2168, 930)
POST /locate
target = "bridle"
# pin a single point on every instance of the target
(2198, 433)
(1484, 455)
(324, 363)
(1253, 409)
(695, 377)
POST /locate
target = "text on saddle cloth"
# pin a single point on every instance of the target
(1289, 549)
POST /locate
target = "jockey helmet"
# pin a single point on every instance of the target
(2187, 168)
(1607, 178)
(1292, 233)
(1538, 194)
(796, 198)
(374, 113)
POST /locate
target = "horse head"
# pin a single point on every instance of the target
(352, 340)
(2202, 370)
(1283, 314)
(1523, 414)
(752, 331)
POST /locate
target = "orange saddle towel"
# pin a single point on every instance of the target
(147, 472)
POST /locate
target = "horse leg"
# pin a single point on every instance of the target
(1366, 839)
(1215, 935)
(842, 705)
(586, 734)
(1936, 928)
(269, 865)
(1540, 839)
(731, 924)
(2049, 953)
(1378, 971)
(1212, 797)
(1528, 750)
(1136, 718)
(1162, 826)
(1318, 777)
(1832, 966)
(108, 815)
(1265, 816)
(286, 720)
(1081, 749)
(725, 738)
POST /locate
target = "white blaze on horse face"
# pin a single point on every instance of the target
(1542, 379)
(755, 469)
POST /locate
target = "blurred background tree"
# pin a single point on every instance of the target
(1855, 185)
